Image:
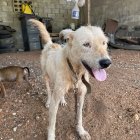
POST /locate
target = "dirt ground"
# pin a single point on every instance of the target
(111, 111)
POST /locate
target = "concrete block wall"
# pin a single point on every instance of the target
(9, 18)
(125, 11)
(59, 10)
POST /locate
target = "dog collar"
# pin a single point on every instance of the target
(75, 78)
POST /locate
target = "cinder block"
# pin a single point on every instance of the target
(48, 10)
(61, 11)
(62, 1)
(52, 6)
(35, 4)
(55, 11)
(7, 8)
(57, 6)
(51, 15)
(3, 3)
(7, 19)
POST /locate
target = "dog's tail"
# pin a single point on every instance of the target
(27, 69)
(45, 36)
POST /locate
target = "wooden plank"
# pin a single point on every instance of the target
(54, 34)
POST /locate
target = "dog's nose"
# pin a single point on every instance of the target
(104, 63)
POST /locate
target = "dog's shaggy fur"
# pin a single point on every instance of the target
(64, 34)
(86, 50)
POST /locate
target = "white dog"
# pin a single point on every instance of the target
(64, 34)
(85, 52)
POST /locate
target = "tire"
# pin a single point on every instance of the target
(5, 36)
(125, 46)
(6, 41)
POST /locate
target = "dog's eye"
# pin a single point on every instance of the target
(104, 42)
(86, 44)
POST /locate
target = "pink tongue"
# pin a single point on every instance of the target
(99, 74)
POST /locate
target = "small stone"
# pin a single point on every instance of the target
(15, 129)
(130, 132)
(120, 117)
(20, 101)
(37, 117)
(14, 114)
(11, 139)
(0, 110)
(136, 117)
(35, 136)
(20, 124)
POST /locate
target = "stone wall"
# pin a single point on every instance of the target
(125, 11)
(59, 10)
(8, 17)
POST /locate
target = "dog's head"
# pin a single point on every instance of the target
(89, 46)
(64, 35)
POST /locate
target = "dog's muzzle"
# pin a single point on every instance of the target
(98, 73)
(87, 67)
(104, 63)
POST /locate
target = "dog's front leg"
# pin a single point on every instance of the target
(80, 101)
(55, 100)
(3, 89)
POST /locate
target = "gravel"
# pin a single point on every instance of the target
(111, 111)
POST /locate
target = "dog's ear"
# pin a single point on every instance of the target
(61, 36)
(69, 39)
(107, 39)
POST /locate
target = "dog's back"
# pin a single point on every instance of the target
(11, 73)
(50, 52)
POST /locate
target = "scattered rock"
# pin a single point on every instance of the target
(20, 101)
(20, 124)
(35, 136)
(14, 114)
(37, 117)
(15, 129)
(136, 117)
(120, 117)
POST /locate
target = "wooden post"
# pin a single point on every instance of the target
(88, 12)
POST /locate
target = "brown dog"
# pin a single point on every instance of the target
(13, 73)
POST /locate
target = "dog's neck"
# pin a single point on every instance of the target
(74, 73)
(77, 69)
(75, 64)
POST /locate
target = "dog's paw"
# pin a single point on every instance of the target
(85, 136)
(63, 102)
(51, 137)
